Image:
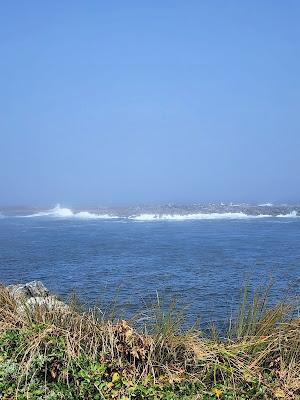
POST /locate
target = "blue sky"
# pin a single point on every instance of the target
(128, 102)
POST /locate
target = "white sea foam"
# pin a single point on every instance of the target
(265, 205)
(88, 215)
(292, 214)
(57, 212)
(65, 213)
(60, 212)
(198, 216)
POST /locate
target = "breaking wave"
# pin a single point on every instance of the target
(59, 212)
(65, 213)
(198, 216)
(292, 214)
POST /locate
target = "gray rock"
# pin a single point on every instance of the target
(28, 290)
(49, 303)
(32, 294)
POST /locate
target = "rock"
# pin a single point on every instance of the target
(49, 302)
(28, 290)
(31, 294)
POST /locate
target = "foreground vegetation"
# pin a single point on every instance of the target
(64, 353)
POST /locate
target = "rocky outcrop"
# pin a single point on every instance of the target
(29, 290)
(31, 294)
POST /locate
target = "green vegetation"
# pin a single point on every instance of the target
(62, 353)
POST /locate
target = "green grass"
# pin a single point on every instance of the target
(66, 353)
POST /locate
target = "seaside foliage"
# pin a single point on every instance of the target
(67, 353)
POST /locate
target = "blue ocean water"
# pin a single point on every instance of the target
(200, 256)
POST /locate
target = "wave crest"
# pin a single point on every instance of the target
(59, 212)
(292, 214)
(198, 216)
(65, 213)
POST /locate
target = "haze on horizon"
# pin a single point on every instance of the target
(132, 102)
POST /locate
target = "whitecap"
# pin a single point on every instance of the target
(292, 214)
(198, 216)
(61, 212)
(88, 215)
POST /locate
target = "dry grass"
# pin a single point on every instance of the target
(263, 345)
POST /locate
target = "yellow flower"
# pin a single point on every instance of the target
(115, 377)
(279, 393)
(218, 393)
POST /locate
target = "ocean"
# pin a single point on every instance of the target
(198, 255)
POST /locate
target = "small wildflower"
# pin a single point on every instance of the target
(279, 393)
(218, 393)
(115, 377)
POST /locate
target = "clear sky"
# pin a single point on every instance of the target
(107, 102)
